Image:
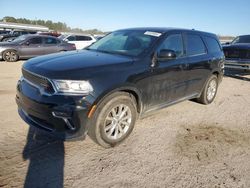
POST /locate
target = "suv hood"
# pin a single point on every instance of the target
(74, 64)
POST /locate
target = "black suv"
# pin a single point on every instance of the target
(103, 89)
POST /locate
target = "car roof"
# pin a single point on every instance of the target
(37, 35)
(168, 29)
(80, 34)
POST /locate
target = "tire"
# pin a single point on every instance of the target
(210, 90)
(106, 127)
(10, 56)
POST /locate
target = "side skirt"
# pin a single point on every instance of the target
(164, 105)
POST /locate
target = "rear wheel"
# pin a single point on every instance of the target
(10, 56)
(113, 120)
(210, 90)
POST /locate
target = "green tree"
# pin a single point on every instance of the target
(57, 26)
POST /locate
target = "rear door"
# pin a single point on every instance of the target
(51, 45)
(198, 63)
(32, 47)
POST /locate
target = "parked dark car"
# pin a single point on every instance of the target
(4, 32)
(27, 46)
(237, 53)
(102, 90)
(6, 37)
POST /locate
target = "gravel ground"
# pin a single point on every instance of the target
(185, 145)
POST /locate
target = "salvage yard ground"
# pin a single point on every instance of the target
(185, 145)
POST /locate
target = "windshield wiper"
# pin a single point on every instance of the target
(110, 52)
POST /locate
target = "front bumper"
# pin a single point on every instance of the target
(63, 116)
(237, 64)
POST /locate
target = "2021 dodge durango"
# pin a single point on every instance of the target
(102, 90)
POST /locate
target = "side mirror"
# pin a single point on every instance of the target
(27, 43)
(66, 40)
(166, 54)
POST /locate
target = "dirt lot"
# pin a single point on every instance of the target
(186, 145)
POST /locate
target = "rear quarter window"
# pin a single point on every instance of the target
(195, 45)
(212, 45)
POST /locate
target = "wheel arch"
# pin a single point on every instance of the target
(133, 91)
(10, 49)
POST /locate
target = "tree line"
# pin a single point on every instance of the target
(55, 26)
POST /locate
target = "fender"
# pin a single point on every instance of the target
(127, 87)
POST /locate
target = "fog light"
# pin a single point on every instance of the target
(65, 117)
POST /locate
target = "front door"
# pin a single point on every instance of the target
(168, 79)
(32, 47)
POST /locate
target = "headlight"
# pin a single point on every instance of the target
(73, 86)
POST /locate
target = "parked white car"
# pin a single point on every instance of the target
(81, 41)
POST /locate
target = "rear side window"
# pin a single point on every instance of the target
(50, 41)
(36, 40)
(195, 45)
(173, 42)
(83, 38)
(212, 45)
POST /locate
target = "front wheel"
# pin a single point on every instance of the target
(210, 90)
(10, 56)
(113, 120)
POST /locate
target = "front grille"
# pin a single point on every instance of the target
(39, 81)
(237, 53)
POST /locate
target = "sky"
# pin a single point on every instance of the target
(223, 17)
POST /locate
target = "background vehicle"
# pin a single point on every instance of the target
(81, 41)
(126, 74)
(54, 34)
(27, 46)
(4, 32)
(98, 37)
(14, 34)
(237, 53)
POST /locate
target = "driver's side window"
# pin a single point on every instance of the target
(34, 41)
(173, 42)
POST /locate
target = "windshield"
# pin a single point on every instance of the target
(242, 39)
(20, 38)
(62, 36)
(131, 43)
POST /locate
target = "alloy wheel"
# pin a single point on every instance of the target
(211, 90)
(117, 122)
